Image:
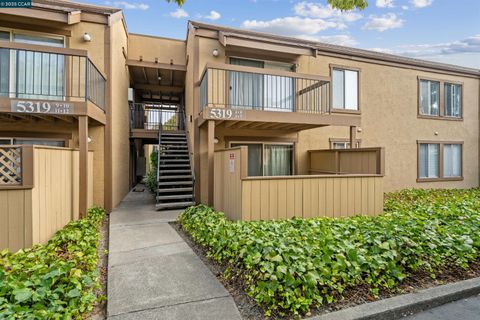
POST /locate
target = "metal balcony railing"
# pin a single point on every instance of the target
(155, 117)
(49, 73)
(240, 87)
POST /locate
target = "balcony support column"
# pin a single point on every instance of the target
(353, 137)
(210, 155)
(83, 165)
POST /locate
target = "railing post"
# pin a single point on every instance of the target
(27, 166)
(83, 165)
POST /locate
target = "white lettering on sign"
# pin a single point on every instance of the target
(29, 106)
(227, 114)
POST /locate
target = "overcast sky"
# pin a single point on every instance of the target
(441, 30)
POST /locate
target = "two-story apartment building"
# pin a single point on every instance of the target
(308, 126)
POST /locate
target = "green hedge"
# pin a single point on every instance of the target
(56, 280)
(293, 265)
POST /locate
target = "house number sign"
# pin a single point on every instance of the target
(32, 106)
(225, 114)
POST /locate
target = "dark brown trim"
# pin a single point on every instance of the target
(36, 28)
(441, 145)
(349, 53)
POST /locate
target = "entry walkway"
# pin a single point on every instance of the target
(153, 273)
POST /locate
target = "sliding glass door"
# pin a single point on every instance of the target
(246, 89)
(4, 65)
(261, 91)
(266, 159)
(39, 75)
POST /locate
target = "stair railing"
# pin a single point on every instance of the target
(160, 128)
(187, 136)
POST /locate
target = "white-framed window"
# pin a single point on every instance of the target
(453, 100)
(429, 97)
(344, 89)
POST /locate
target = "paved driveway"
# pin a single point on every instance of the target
(153, 273)
(466, 309)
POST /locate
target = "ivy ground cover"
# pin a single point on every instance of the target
(56, 280)
(292, 266)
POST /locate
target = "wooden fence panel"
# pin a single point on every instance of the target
(32, 212)
(266, 198)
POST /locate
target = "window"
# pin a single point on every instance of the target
(452, 160)
(268, 159)
(345, 89)
(33, 141)
(429, 97)
(439, 161)
(429, 160)
(342, 143)
(453, 100)
(435, 103)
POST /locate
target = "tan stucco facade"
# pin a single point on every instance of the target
(388, 99)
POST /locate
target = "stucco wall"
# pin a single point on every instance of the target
(120, 114)
(151, 47)
(388, 103)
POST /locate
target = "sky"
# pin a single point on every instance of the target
(441, 30)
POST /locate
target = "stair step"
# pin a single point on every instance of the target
(173, 197)
(173, 156)
(174, 151)
(175, 183)
(167, 166)
(175, 171)
(175, 146)
(171, 205)
(169, 190)
(176, 177)
(173, 134)
(175, 160)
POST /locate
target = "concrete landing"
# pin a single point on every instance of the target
(153, 273)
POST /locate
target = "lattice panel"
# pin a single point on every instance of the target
(10, 165)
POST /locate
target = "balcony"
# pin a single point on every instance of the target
(146, 119)
(36, 80)
(259, 98)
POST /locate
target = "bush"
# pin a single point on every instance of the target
(151, 178)
(56, 280)
(290, 266)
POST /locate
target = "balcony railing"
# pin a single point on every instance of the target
(155, 117)
(49, 73)
(240, 87)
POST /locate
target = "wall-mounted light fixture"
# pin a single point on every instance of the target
(436, 133)
(359, 129)
(89, 139)
(87, 37)
(215, 140)
(215, 52)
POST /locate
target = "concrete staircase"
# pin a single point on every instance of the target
(175, 176)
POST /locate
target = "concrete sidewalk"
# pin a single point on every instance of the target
(153, 273)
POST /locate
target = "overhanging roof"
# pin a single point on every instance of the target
(325, 48)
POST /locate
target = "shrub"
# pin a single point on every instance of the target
(56, 280)
(290, 266)
(151, 178)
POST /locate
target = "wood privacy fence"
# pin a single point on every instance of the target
(265, 198)
(347, 161)
(39, 193)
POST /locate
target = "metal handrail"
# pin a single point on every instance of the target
(50, 73)
(240, 87)
(192, 168)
